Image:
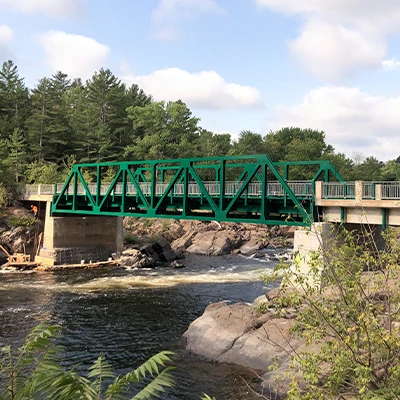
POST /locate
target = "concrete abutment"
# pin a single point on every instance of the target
(322, 239)
(68, 240)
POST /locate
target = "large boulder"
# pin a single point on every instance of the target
(251, 247)
(238, 334)
(133, 258)
(211, 244)
(215, 332)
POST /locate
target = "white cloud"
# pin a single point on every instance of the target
(351, 35)
(6, 36)
(53, 8)
(76, 55)
(205, 89)
(352, 120)
(332, 51)
(391, 64)
(170, 14)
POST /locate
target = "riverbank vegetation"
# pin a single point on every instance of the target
(350, 323)
(44, 130)
(35, 371)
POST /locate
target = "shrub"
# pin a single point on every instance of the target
(3, 196)
(130, 238)
(354, 318)
(15, 221)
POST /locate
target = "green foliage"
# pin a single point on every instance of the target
(34, 371)
(351, 314)
(43, 172)
(15, 221)
(207, 397)
(130, 238)
(3, 196)
(103, 120)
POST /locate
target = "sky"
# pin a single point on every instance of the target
(260, 65)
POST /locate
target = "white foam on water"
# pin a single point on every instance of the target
(134, 281)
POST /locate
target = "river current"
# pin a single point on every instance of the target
(131, 315)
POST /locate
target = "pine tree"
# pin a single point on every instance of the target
(17, 156)
(14, 99)
(105, 95)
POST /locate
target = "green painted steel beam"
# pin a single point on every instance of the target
(160, 197)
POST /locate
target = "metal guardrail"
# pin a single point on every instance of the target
(390, 190)
(299, 188)
(370, 190)
(338, 190)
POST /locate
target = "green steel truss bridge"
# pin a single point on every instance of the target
(238, 189)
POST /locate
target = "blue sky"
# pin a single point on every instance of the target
(239, 64)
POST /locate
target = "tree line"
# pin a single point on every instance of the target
(61, 121)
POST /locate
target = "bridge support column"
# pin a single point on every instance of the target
(307, 244)
(68, 240)
(311, 244)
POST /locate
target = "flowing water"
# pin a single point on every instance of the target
(131, 315)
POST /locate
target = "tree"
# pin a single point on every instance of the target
(17, 156)
(163, 131)
(39, 122)
(14, 99)
(368, 170)
(248, 143)
(296, 144)
(105, 96)
(390, 171)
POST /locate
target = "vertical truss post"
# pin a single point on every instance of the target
(326, 175)
(98, 185)
(264, 189)
(153, 185)
(162, 175)
(222, 182)
(74, 198)
(123, 199)
(186, 166)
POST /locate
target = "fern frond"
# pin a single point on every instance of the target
(100, 370)
(156, 386)
(150, 367)
(207, 397)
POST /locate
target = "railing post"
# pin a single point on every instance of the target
(378, 192)
(359, 191)
(318, 191)
(39, 187)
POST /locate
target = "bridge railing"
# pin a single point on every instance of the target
(390, 190)
(338, 190)
(299, 188)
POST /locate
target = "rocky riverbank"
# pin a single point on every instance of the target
(155, 242)
(208, 238)
(242, 334)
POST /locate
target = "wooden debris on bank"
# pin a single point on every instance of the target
(99, 264)
(35, 266)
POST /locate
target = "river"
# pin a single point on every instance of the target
(131, 315)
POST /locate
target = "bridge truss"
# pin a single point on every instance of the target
(237, 189)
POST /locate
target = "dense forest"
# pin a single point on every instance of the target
(45, 130)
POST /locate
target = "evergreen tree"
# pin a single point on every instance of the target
(163, 131)
(39, 121)
(107, 115)
(17, 155)
(14, 99)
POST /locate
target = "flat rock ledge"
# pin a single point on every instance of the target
(238, 334)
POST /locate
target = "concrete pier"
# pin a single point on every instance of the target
(68, 240)
(312, 247)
